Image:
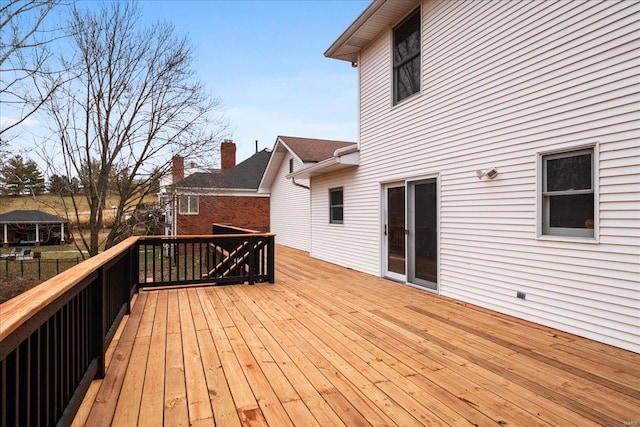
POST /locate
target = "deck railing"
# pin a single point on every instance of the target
(230, 255)
(53, 338)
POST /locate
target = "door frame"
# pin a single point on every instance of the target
(384, 237)
(384, 271)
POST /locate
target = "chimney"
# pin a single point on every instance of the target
(177, 168)
(227, 154)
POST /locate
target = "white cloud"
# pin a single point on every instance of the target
(9, 121)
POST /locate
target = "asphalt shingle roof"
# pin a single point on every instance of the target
(245, 175)
(30, 217)
(313, 150)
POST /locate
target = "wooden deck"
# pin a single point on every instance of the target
(328, 346)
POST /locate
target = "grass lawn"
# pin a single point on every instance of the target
(16, 276)
(58, 205)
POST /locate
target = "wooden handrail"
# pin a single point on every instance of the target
(23, 307)
(69, 320)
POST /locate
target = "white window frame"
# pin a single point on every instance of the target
(331, 206)
(544, 229)
(191, 201)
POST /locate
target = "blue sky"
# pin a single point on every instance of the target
(265, 61)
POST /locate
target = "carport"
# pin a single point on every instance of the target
(31, 227)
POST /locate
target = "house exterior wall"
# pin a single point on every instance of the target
(241, 211)
(502, 83)
(290, 208)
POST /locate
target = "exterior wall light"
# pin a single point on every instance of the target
(487, 173)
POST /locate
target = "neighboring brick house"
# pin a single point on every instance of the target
(228, 195)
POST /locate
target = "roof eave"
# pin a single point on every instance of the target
(379, 15)
(273, 165)
(213, 191)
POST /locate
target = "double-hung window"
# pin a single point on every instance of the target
(336, 206)
(568, 202)
(188, 205)
(406, 57)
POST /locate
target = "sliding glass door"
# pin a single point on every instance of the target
(410, 244)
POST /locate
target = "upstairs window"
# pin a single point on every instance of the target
(406, 57)
(188, 205)
(568, 203)
(290, 165)
(336, 206)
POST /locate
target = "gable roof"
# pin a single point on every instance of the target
(309, 151)
(376, 18)
(30, 217)
(243, 176)
(313, 150)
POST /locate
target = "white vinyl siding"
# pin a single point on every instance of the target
(503, 82)
(290, 217)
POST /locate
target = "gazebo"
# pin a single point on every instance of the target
(24, 227)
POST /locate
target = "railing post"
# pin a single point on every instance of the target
(98, 317)
(252, 259)
(128, 283)
(271, 263)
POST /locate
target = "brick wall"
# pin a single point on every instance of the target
(245, 212)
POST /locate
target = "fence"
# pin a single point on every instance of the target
(39, 268)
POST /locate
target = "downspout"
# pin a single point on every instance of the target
(299, 185)
(174, 202)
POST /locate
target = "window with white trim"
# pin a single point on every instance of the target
(188, 205)
(568, 196)
(336, 206)
(406, 57)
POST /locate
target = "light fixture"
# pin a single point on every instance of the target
(488, 173)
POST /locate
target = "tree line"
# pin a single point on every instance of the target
(118, 98)
(23, 177)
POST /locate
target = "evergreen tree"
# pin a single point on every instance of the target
(20, 177)
(63, 185)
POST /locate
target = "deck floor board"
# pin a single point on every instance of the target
(328, 346)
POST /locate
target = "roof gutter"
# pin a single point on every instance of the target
(208, 190)
(342, 158)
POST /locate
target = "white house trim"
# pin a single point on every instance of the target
(342, 158)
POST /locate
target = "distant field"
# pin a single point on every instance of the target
(55, 205)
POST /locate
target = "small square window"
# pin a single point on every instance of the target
(188, 205)
(336, 206)
(568, 196)
(406, 57)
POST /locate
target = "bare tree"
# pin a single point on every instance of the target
(130, 100)
(23, 54)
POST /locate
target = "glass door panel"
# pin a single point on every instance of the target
(423, 245)
(395, 232)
